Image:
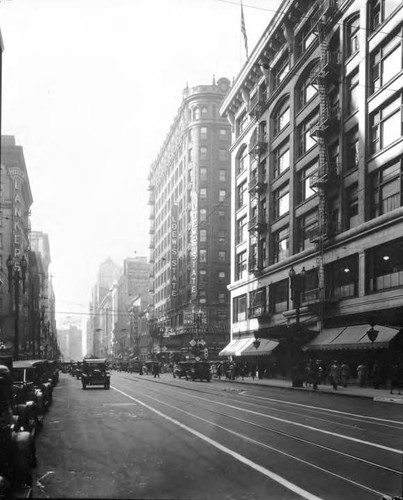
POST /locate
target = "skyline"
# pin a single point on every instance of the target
(90, 90)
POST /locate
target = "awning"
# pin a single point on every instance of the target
(351, 337)
(265, 348)
(235, 347)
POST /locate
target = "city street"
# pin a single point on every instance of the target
(170, 438)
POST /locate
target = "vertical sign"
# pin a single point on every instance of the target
(174, 252)
(194, 246)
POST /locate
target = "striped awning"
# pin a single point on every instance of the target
(351, 337)
(235, 347)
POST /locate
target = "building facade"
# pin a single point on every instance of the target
(189, 185)
(317, 166)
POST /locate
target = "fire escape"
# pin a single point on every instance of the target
(327, 175)
(257, 185)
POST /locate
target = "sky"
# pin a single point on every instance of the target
(90, 90)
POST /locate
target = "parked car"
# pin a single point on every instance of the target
(32, 384)
(95, 372)
(17, 450)
(200, 370)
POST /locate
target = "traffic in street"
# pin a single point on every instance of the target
(164, 437)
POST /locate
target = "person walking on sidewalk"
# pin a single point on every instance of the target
(395, 374)
(334, 374)
(345, 373)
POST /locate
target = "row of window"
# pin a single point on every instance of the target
(383, 271)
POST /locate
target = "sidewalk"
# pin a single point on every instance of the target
(351, 390)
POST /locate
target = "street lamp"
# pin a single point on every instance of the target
(198, 343)
(297, 284)
(16, 272)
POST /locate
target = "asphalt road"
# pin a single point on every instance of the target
(175, 439)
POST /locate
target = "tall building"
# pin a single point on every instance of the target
(15, 202)
(189, 185)
(317, 157)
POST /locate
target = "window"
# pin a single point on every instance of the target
(306, 178)
(221, 298)
(353, 90)
(222, 175)
(281, 156)
(386, 189)
(190, 154)
(386, 125)
(281, 118)
(352, 206)
(203, 193)
(352, 151)
(241, 195)
(241, 230)
(242, 161)
(240, 308)
(203, 173)
(203, 132)
(281, 201)
(241, 266)
(222, 256)
(306, 91)
(203, 153)
(222, 154)
(379, 10)
(304, 137)
(279, 296)
(341, 277)
(203, 276)
(305, 38)
(306, 224)
(221, 214)
(222, 236)
(281, 70)
(222, 194)
(387, 62)
(204, 111)
(385, 266)
(221, 275)
(196, 113)
(257, 301)
(352, 38)
(202, 255)
(241, 123)
(203, 235)
(223, 133)
(203, 215)
(281, 244)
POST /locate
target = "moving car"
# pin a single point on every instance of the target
(95, 372)
(200, 370)
(183, 369)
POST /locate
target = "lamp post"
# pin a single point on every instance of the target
(197, 343)
(297, 285)
(16, 273)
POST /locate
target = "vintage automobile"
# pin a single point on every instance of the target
(31, 383)
(65, 367)
(17, 450)
(183, 369)
(200, 370)
(95, 372)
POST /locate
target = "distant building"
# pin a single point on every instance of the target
(70, 343)
(317, 169)
(190, 189)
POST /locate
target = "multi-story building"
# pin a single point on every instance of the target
(70, 342)
(15, 202)
(189, 185)
(317, 169)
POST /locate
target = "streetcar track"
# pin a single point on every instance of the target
(297, 424)
(266, 446)
(303, 440)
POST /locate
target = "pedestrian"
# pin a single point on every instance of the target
(334, 374)
(253, 372)
(156, 370)
(315, 374)
(344, 373)
(361, 374)
(219, 371)
(376, 372)
(395, 373)
(141, 369)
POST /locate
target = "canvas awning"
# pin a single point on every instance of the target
(351, 337)
(235, 347)
(265, 348)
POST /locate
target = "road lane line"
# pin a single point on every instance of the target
(297, 424)
(272, 475)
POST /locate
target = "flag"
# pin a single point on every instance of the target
(243, 31)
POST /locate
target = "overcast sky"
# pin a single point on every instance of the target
(90, 89)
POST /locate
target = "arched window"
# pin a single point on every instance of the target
(196, 113)
(306, 90)
(281, 116)
(241, 159)
(352, 35)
